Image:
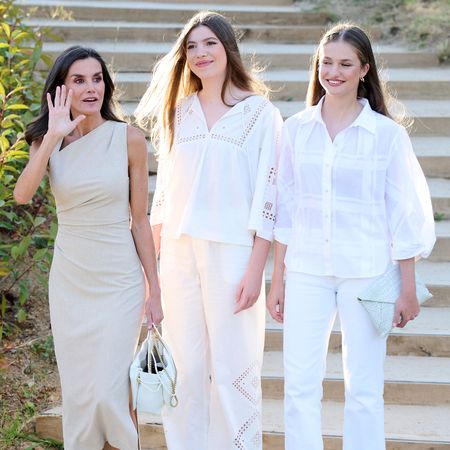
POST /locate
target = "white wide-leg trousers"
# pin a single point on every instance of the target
(310, 310)
(218, 353)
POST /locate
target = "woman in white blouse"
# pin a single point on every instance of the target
(351, 198)
(213, 212)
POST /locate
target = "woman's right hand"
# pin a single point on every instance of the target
(275, 300)
(59, 121)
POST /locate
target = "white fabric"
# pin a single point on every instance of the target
(218, 353)
(310, 309)
(347, 207)
(219, 184)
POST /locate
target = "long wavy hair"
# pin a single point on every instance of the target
(372, 88)
(57, 76)
(172, 79)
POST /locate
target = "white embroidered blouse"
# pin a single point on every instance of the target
(219, 184)
(348, 206)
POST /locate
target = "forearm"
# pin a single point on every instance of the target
(407, 273)
(156, 232)
(146, 251)
(259, 254)
(278, 262)
(29, 180)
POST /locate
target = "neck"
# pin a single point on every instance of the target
(89, 123)
(340, 110)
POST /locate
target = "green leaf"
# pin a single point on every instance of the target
(40, 254)
(16, 107)
(6, 29)
(39, 221)
(21, 315)
(15, 252)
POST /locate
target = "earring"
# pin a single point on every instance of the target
(362, 79)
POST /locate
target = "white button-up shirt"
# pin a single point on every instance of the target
(219, 184)
(346, 207)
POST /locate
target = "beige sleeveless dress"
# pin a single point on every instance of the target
(96, 288)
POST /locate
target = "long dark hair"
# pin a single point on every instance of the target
(172, 79)
(372, 88)
(56, 77)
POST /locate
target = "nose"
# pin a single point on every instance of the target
(201, 51)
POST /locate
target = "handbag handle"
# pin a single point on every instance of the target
(173, 382)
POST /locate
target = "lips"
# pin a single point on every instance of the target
(335, 82)
(202, 63)
(90, 100)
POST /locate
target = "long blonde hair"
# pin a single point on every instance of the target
(172, 79)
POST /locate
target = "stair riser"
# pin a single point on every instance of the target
(183, 14)
(137, 62)
(152, 438)
(436, 166)
(394, 393)
(441, 251)
(293, 90)
(442, 206)
(89, 33)
(422, 345)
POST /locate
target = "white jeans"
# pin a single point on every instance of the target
(218, 353)
(310, 309)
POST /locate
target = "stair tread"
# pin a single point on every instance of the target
(399, 369)
(414, 423)
(136, 5)
(430, 322)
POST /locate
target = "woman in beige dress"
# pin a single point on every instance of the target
(103, 269)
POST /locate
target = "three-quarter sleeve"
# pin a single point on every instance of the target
(263, 207)
(159, 196)
(408, 203)
(285, 188)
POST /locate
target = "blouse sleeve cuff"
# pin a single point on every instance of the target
(282, 235)
(400, 252)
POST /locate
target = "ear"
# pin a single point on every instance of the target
(364, 70)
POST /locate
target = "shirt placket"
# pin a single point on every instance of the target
(327, 203)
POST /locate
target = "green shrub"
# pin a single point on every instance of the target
(26, 232)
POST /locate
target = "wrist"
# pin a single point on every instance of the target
(51, 138)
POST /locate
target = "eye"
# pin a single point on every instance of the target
(346, 64)
(98, 79)
(325, 63)
(190, 46)
(211, 43)
(78, 80)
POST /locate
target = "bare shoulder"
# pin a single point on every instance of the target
(135, 136)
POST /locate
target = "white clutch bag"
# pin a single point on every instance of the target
(153, 375)
(380, 296)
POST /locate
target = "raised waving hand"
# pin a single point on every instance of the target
(59, 122)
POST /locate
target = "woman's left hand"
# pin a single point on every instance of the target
(153, 309)
(406, 308)
(248, 290)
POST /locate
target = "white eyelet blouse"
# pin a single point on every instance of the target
(346, 207)
(219, 184)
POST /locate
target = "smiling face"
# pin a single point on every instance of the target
(206, 55)
(85, 78)
(340, 69)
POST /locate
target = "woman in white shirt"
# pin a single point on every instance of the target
(351, 198)
(213, 212)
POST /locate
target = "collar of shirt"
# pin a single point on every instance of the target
(366, 118)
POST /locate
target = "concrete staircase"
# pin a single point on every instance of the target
(132, 34)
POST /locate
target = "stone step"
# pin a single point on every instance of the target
(84, 31)
(441, 251)
(140, 56)
(175, 12)
(408, 427)
(434, 155)
(409, 380)
(440, 194)
(431, 117)
(416, 84)
(436, 276)
(427, 335)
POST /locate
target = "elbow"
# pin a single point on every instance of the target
(20, 198)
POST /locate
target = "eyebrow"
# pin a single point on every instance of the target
(342, 60)
(81, 75)
(203, 40)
